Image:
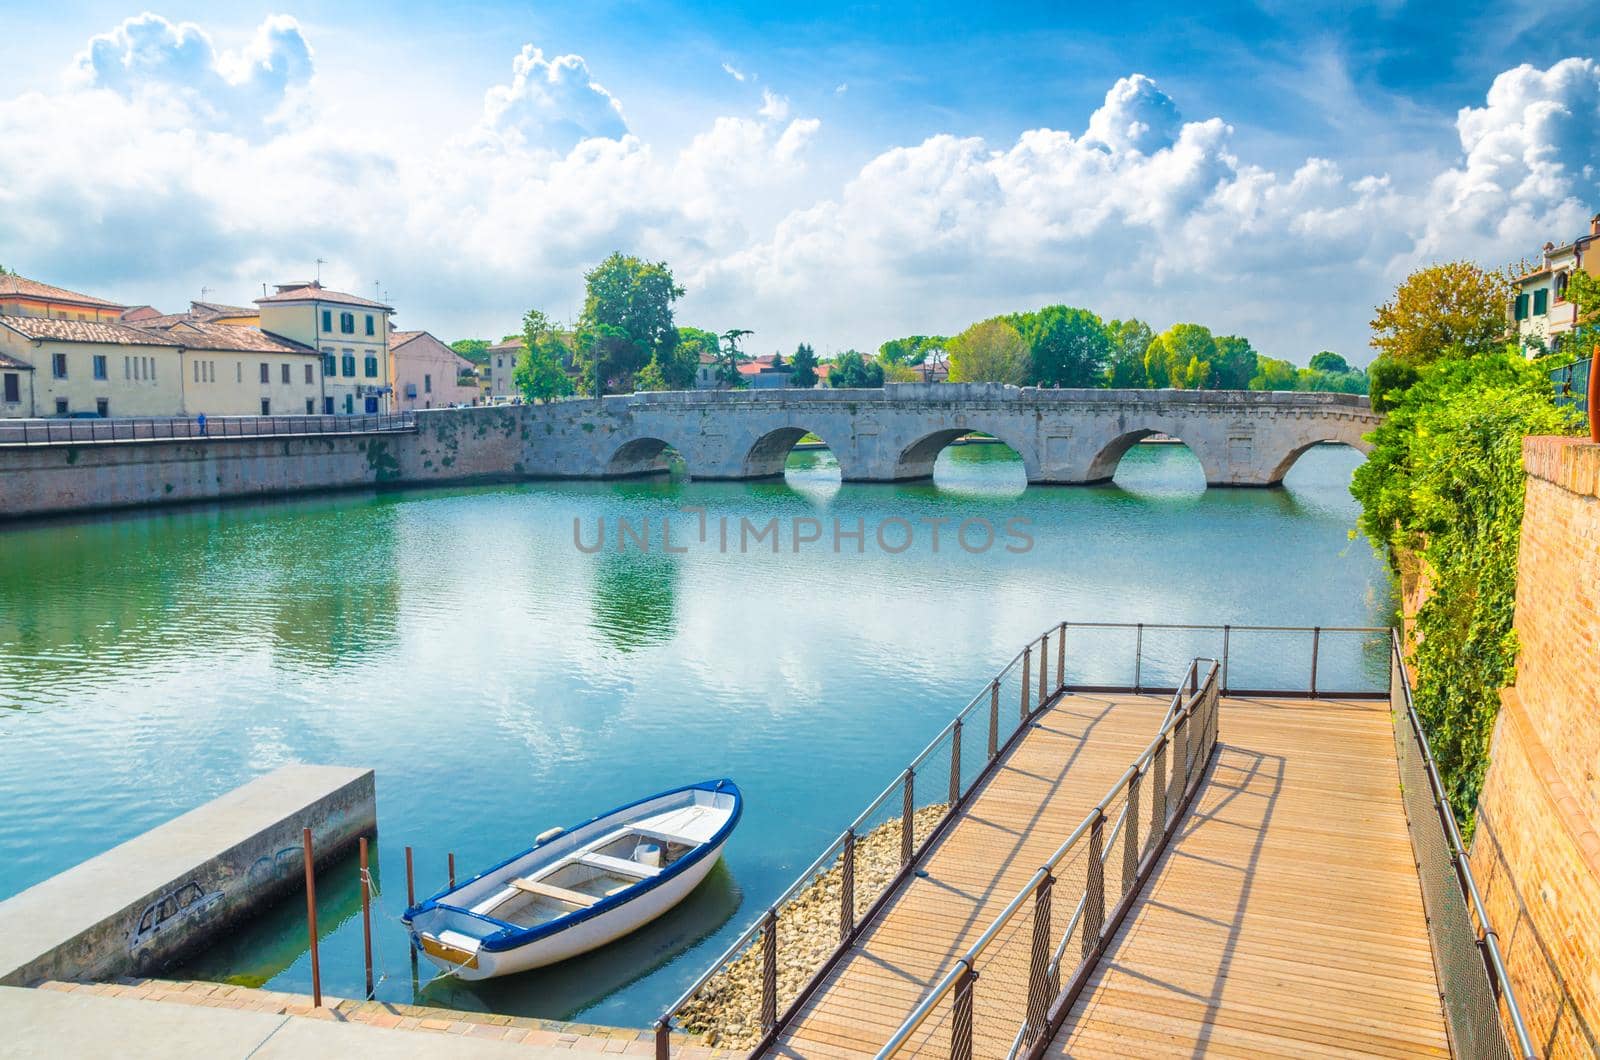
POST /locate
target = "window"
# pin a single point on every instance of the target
(372, 405)
(99, 366)
(58, 365)
(103, 407)
(499, 362)
(327, 320)
(1541, 301)
(330, 363)
(238, 371)
(311, 375)
(311, 406)
(152, 373)
(284, 374)
(61, 406)
(327, 406)
(347, 323)
(371, 367)
(266, 372)
(266, 406)
(349, 364)
(127, 368)
(13, 388)
(197, 371)
(349, 404)
(427, 384)
(1561, 287)
(370, 330)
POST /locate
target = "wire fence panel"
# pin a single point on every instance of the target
(96, 430)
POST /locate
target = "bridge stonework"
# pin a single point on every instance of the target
(1240, 438)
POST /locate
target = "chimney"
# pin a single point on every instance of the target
(1594, 225)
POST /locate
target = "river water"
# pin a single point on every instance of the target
(502, 680)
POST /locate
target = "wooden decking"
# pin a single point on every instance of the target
(1285, 917)
(1284, 920)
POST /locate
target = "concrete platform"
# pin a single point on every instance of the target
(142, 904)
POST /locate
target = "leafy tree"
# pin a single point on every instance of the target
(730, 357)
(1181, 357)
(599, 349)
(900, 373)
(1068, 347)
(1388, 380)
(851, 371)
(1328, 361)
(627, 315)
(914, 349)
(539, 374)
(1273, 374)
(1456, 306)
(803, 367)
(1235, 363)
(1583, 291)
(1129, 341)
(474, 350)
(991, 351)
(651, 377)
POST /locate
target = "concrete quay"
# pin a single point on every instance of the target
(144, 903)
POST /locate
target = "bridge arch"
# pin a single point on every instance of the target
(1285, 463)
(916, 459)
(640, 456)
(1103, 465)
(767, 455)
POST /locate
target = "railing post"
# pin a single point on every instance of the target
(1039, 992)
(961, 1014)
(1061, 658)
(1044, 667)
(366, 916)
(955, 766)
(994, 717)
(1158, 789)
(906, 816)
(311, 918)
(847, 888)
(1194, 677)
(1094, 887)
(1027, 680)
(663, 1040)
(1225, 631)
(1138, 657)
(1316, 643)
(769, 971)
(1130, 834)
(1180, 765)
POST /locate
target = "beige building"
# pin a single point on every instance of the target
(502, 363)
(16, 388)
(425, 373)
(233, 370)
(85, 368)
(22, 297)
(1539, 305)
(352, 335)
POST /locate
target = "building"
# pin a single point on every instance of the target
(350, 332)
(502, 363)
(425, 372)
(22, 297)
(234, 370)
(761, 373)
(88, 368)
(16, 388)
(1539, 306)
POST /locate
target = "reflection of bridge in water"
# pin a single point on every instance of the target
(1094, 871)
(1241, 438)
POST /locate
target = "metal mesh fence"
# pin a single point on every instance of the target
(76, 431)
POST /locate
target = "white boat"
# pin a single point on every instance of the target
(578, 888)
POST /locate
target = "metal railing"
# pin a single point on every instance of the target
(1570, 385)
(1005, 996)
(780, 957)
(88, 431)
(1473, 983)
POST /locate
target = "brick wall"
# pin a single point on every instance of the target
(1538, 844)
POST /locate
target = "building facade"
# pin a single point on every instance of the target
(22, 297)
(232, 370)
(351, 334)
(93, 369)
(1539, 306)
(502, 364)
(425, 373)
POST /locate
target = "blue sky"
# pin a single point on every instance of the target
(838, 173)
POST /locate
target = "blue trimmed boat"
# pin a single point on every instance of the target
(578, 888)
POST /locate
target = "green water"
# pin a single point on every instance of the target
(501, 681)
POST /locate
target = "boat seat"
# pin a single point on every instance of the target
(692, 825)
(550, 890)
(620, 865)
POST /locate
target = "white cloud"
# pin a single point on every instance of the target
(841, 88)
(181, 172)
(733, 72)
(552, 103)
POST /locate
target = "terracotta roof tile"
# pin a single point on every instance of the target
(213, 310)
(83, 331)
(204, 335)
(12, 284)
(314, 293)
(7, 361)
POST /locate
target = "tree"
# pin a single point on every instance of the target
(1456, 306)
(1067, 347)
(539, 374)
(1273, 374)
(852, 371)
(992, 351)
(1387, 381)
(900, 373)
(1181, 357)
(1235, 363)
(1129, 341)
(627, 314)
(599, 348)
(803, 367)
(474, 350)
(1328, 361)
(729, 357)
(913, 349)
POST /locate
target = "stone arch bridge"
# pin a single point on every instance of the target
(1241, 438)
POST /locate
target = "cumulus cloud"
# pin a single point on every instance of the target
(552, 103)
(176, 64)
(181, 172)
(733, 72)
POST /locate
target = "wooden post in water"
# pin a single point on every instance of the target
(311, 918)
(366, 917)
(411, 884)
(452, 869)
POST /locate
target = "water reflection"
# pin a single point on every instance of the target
(635, 596)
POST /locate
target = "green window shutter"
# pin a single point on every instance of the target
(1541, 301)
(1521, 312)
